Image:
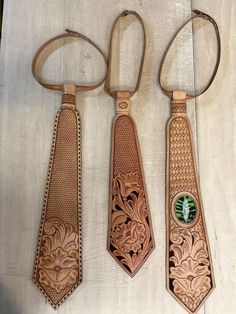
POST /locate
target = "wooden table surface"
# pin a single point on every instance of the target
(27, 113)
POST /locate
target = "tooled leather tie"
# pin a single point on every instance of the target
(58, 262)
(130, 236)
(190, 276)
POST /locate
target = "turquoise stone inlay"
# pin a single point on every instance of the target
(185, 209)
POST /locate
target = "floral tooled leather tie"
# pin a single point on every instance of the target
(130, 236)
(58, 262)
(190, 276)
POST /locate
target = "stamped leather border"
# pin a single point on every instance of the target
(43, 213)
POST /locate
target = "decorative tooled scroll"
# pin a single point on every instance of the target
(189, 267)
(130, 239)
(190, 277)
(58, 262)
(59, 259)
(130, 231)
(190, 273)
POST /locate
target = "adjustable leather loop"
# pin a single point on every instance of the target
(114, 93)
(198, 14)
(55, 86)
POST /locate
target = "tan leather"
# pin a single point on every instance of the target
(58, 261)
(190, 277)
(123, 102)
(56, 86)
(113, 93)
(58, 264)
(189, 270)
(130, 235)
(198, 14)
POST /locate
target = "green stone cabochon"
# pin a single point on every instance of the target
(185, 209)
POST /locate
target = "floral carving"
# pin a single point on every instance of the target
(190, 275)
(130, 236)
(58, 262)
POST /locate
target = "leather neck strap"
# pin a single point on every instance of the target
(60, 86)
(115, 93)
(207, 17)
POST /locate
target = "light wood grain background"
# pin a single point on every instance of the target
(27, 113)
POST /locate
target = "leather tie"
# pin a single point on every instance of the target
(130, 236)
(58, 261)
(190, 276)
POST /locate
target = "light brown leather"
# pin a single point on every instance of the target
(198, 14)
(58, 261)
(130, 235)
(189, 270)
(56, 86)
(113, 93)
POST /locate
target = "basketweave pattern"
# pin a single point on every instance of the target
(130, 233)
(178, 107)
(126, 155)
(62, 208)
(68, 99)
(181, 166)
(188, 251)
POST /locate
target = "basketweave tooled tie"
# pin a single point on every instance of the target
(190, 276)
(58, 262)
(130, 236)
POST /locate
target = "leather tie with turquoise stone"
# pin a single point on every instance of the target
(130, 236)
(189, 269)
(58, 261)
